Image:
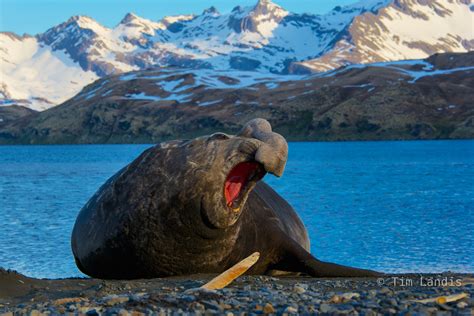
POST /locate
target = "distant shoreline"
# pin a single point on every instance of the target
(289, 141)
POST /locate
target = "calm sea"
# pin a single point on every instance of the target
(390, 206)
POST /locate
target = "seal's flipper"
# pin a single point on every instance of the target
(317, 268)
(296, 258)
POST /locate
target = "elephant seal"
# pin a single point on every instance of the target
(197, 206)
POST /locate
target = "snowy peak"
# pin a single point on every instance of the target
(81, 22)
(262, 18)
(408, 29)
(397, 30)
(75, 31)
(264, 37)
(267, 7)
(168, 20)
(364, 6)
(341, 16)
(133, 27)
(211, 11)
(133, 20)
(33, 75)
(415, 7)
(129, 18)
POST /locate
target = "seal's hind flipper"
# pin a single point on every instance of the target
(296, 258)
(317, 268)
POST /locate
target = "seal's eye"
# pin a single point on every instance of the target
(218, 136)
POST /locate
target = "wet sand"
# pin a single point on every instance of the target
(395, 294)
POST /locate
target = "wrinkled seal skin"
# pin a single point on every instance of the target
(165, 214)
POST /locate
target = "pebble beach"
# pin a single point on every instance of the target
(414, 294)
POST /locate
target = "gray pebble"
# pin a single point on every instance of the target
(211, 305)
(92, 312)
(325, 308)
(188, 298)
(385, 290)
(298, 289)
(461, 304)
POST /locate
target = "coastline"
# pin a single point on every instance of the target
(393, 294)
(290, 139)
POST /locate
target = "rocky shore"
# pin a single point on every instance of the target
(248, 295)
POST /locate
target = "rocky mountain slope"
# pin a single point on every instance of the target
(49, 68)
(12, 113)
(404, 29)
(418, 99)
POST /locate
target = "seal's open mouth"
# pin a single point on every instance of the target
(240, 180)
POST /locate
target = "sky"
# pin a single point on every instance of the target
(36, 16)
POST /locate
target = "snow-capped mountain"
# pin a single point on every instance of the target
(411, 99)
(51, 67)
(404, 29)
(34, 75)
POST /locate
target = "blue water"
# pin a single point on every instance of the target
(391, 206)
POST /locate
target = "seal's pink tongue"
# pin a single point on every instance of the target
(232, 189)
(237, 180)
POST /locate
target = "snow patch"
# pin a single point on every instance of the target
(39, 76)
(416, 75)
(272, 85)
(170, 85)
(173, 97)
(209, 102)
(142, 96)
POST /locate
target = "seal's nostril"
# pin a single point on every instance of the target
(273, 151)
(248, 147)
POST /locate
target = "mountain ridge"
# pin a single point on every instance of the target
(417, 99)
(264, 38)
